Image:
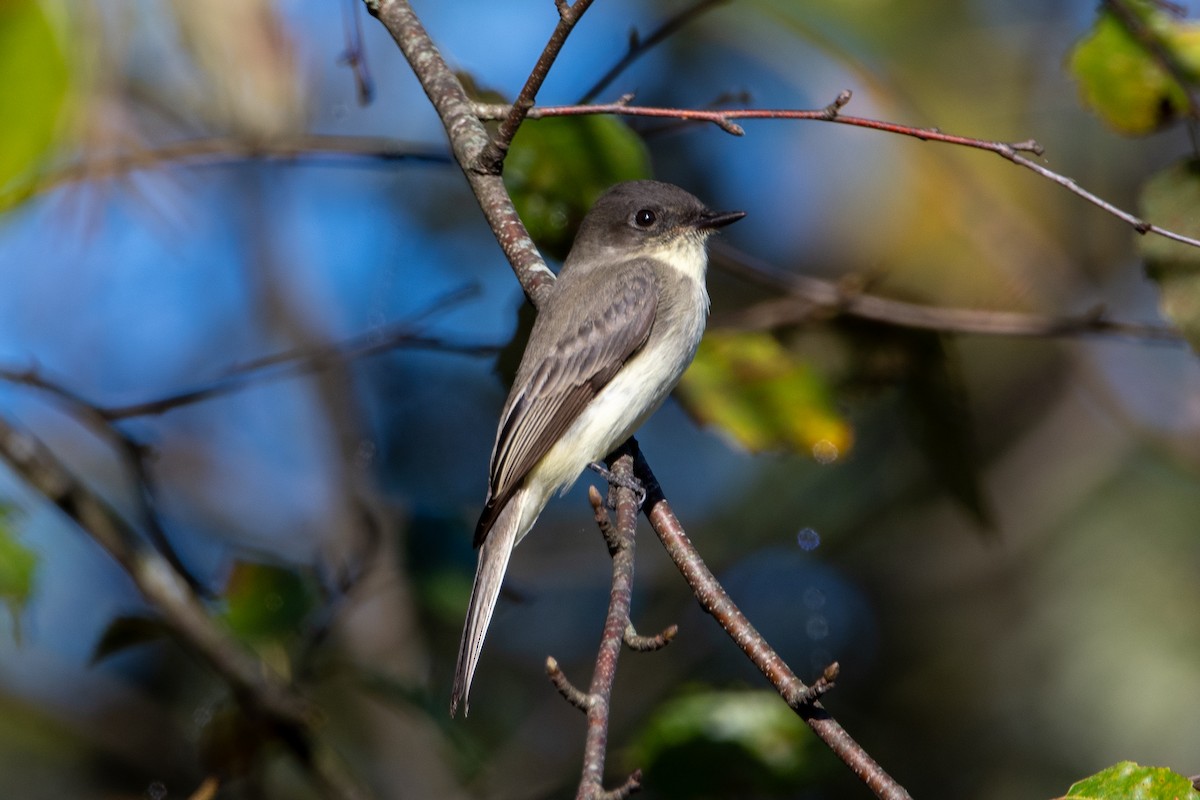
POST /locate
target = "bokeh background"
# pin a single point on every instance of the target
(1002, 556)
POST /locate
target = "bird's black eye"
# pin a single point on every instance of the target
(645, 218)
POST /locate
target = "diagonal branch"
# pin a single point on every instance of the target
(810, 298)
(491, 160)
(162, 587)
(135, 454)
(256, 687)
(638, 46)
(468, 138)
(714, 599)
(274, 366)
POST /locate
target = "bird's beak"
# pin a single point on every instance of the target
(718, 219)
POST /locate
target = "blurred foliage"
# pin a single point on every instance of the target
(1123, 75)
(233, 744)
(1171, 198)
(1129, 781)
(754, 390)
(18, 570)
(558, 167)
(266, 606)
(128, 631)
(33, 89)
(172, 274)
(249, 83)
(720, 744)
(267, 603)
(938, 416)
(1125, 82)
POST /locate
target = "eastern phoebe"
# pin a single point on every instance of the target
(619, 327)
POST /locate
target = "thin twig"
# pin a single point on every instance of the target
(274, 366)
(631, 786)
(724, 119)
(573, 695)
(714, 599)
(603, 521)
(491, 160)
(257, 688)
(355, 55)
(812, 298)
(621, 541)
(134, 453)
(639, 46)
(295, 362)
(647, 644)
(223, 149)
(826, 681)
(137, 455)
(158, 582)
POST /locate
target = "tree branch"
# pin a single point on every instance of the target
(621, 546)
(468, 138)
(158, 582)
(223, 149)
(155, 579)
(255, 686)
(638, 46)
(1010, 151)
(714, 599)
(596, 702)
(355, 55)
(811, 298)
(491, 160)
(134, 453)
(273, 366)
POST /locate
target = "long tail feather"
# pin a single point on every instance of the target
(493, 562)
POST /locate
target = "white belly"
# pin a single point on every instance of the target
(620, 408)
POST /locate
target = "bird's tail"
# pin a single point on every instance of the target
(493, 562)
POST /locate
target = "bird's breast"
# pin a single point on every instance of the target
(633, 394)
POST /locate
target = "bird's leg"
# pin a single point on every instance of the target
(631, 483)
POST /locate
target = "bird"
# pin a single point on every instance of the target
(612, 338)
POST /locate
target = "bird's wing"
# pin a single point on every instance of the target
(585, 358)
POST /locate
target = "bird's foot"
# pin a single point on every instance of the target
(631, 483)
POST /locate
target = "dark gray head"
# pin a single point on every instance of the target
(643, 217)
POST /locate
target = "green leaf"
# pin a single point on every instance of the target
(727, 744)
(1123, 82)
(752, 388)
(33, 88)
(267, 603)
(1130, 781)
(129, 631)
(556, 168)
(18, 570)
(1170, 199)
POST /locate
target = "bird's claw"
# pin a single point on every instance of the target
(631, 483)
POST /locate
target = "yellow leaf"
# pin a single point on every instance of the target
(753, 389)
